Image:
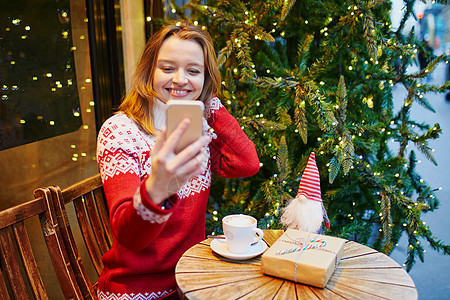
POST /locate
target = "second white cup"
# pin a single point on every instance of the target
(240, 232)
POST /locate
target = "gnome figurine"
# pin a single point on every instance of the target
(306, 211)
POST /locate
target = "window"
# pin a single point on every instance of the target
(39, 96)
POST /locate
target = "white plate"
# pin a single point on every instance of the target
(221, 248)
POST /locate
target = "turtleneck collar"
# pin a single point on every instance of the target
(159, 114)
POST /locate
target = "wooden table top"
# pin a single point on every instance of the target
(363, 273)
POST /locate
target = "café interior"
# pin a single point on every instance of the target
(65, 66)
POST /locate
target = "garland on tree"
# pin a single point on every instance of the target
(318, 76)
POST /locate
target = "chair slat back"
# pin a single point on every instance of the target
(103, 213)
(88, 200)
(11, 266)
(3, 288)
(94, 218)
(20, 277)
(26, 252)
(56, 248)
(71, 248)
(89, 238)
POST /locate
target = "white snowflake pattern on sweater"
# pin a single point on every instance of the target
(127, 150)
(145, 296)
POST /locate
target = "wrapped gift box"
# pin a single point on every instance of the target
(303, 257)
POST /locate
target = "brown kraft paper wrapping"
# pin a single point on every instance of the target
(314, 266)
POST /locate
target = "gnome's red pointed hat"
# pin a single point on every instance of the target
(310, 181)
(310, 185)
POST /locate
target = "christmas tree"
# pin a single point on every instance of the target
(317, 76)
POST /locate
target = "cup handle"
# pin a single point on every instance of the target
(260, 236)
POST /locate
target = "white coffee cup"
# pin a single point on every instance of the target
(240, 232)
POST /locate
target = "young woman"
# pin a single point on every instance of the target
(156, 198)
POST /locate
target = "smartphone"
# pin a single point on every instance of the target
(176, 111)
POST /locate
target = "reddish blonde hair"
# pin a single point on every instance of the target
(138, 104)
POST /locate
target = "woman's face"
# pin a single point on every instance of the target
(180, 70)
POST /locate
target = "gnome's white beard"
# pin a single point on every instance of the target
(303, 214)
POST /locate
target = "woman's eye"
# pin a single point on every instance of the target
(167, 69)
(194, 71)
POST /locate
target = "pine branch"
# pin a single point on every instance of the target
(324, 112)
(418, 184)
(225, 53)
(240, 36)
(431, 66)
(300, 113)
(424, 102)
(303, 55)
(373, 3)
(278, 82)
(334, 168)
(283, 116)
(261, 124)
(368, 34)
(409, 11)
(425, 88)
(342, 99)
(284, 168)
(427, 151)
(347, 153)
(287, 6)
(386, 221)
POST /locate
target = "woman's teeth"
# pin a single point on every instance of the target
(178, 91)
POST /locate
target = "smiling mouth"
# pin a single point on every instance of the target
(178, 93)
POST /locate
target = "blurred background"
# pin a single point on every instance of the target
(433, 26)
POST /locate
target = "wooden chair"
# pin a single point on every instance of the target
(20, 277)
(88, 200)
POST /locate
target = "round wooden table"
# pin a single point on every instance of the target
(363, 273)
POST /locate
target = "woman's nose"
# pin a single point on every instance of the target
(180, 77)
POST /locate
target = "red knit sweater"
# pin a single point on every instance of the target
(148, 241)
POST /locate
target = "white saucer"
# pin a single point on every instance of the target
(221, 248)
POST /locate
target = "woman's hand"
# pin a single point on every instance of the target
(171, 171)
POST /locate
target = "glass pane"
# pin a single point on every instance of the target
(55, 142)
(39, 96)
(39, 38)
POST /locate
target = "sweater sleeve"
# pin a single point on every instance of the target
(233, 154)
(135, 219)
